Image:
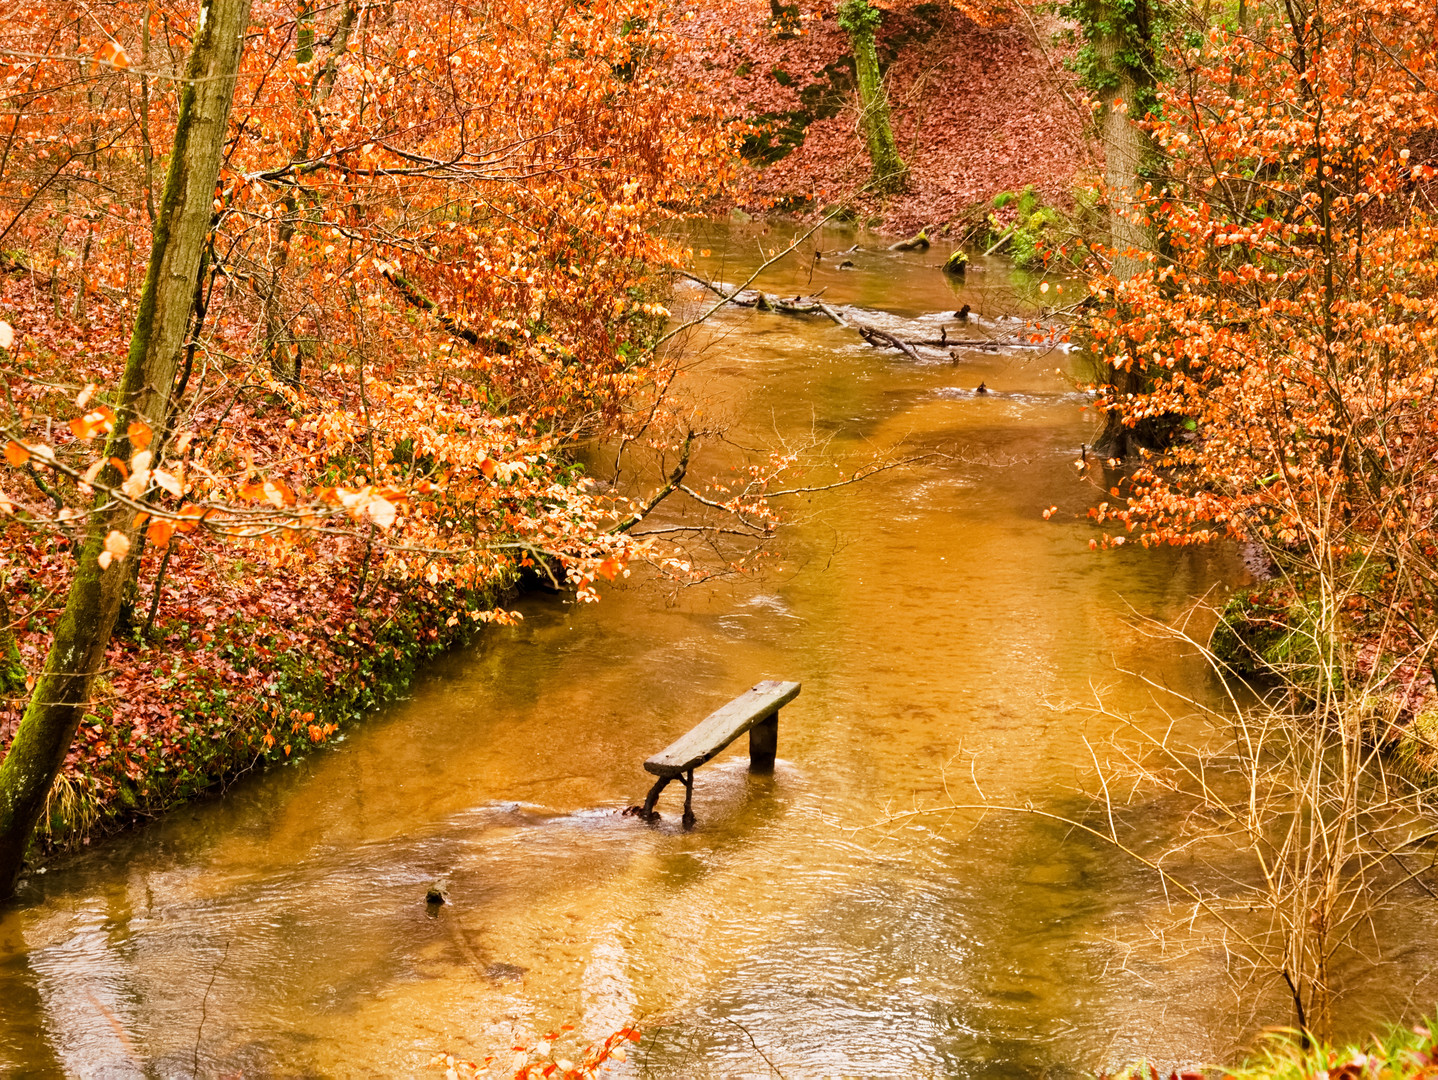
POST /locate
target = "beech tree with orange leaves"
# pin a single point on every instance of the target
(1285, 341)
(1274, 356)
(421, 269)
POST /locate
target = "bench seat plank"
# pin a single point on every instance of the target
(721, 727)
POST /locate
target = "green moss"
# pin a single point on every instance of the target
(860, 18)
(1261, 632)
(1031, 237)
(12, 666)
(775, 135)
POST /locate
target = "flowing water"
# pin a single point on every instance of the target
(945, 633)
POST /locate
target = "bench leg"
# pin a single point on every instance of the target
(688, 819)
(764, 744)
(646, 812)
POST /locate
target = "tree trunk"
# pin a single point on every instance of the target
(280, 343)
(77, 652)
(12, 666)
(1128, 159)
(860, 19)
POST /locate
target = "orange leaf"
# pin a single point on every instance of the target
(92, 423)
(159, 532)
(16, 453)
(487, 467)
(140, 434)
(279, 494)
(190, 510)
(254, 491)
(111, 55)
(117, 546)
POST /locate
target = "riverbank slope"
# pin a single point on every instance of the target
(977, 109)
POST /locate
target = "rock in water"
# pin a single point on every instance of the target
(957, 264)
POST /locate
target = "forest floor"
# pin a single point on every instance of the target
(977, 110)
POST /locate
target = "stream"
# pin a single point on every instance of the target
(944, 632)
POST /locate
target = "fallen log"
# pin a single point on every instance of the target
(987, 344)
(918, 242)
(812, 305)
(879, 338)
(762, 301)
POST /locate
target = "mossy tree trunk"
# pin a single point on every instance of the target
(12, 667)
(860, 18)
(1121, 44)
(77, 651)
(1129, 152)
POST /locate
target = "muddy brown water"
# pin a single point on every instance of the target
(935, 618)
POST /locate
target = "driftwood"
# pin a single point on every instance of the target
(1001, 241)
(957, 264)
(879, 338)
(918, 242)
(762, 301)
(987, 344)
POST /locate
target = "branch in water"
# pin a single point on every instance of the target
(670, 486)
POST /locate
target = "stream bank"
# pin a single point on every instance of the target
(240, 675)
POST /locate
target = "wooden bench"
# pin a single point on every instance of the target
(755, 711)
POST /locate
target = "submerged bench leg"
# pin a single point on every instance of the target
(646, 812)
(764, 744)
(688, 818)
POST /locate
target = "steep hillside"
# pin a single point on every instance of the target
(977, 110)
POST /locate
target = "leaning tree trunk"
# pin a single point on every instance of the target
(860, 18)
(1123, 47)
(77, 652)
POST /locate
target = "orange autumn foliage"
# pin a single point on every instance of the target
(432, 270)
(436, 269)
(1286, 335)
